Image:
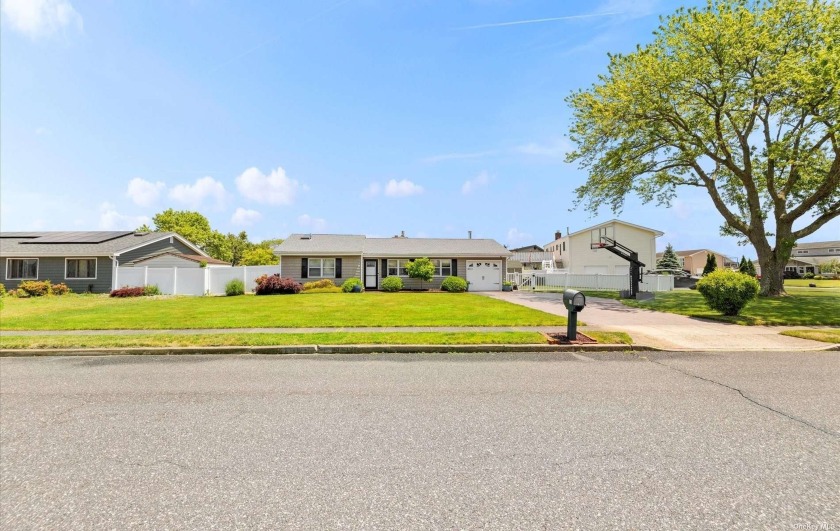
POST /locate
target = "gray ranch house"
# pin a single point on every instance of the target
(308, 257)
(85, 260)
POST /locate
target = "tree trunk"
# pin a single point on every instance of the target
(772, 274)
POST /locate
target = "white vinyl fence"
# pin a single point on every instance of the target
(539, 281)
(191, 280)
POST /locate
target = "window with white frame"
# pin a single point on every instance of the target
(396, 268)
(801, 252)
(322, 268)
(443, 267)
(21, 269)
(80, 268)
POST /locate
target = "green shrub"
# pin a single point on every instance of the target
(2, 290)
(727, 291)
(235, 287)
(319, 284)
(347, 287)
(454, 285)
(35, 288)
(392, 284)
(808, 276)
(151, 289)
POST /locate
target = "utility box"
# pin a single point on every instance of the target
(574, 301)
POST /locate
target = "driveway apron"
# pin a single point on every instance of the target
(664, 330)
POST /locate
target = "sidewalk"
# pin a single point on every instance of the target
(667, 331)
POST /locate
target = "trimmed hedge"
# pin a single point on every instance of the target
(347, 287)
(40, 288)
(319, 284)
(277, 285)
(454, 285)
(728, 291)
(391, 284)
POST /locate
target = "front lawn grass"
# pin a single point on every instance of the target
(80, 312)
(802, 306)
(269, 339)
(803, 283)
(826, 336)
(613, 338)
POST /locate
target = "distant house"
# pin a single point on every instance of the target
(575, 254)
(307, 257)
(807, 257)
(694, 260)
(172, 259)
(528, 258)
(84, 260)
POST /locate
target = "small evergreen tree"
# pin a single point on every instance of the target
(711, 264)
(421, 268)
(669, 259)
(742, 265)
(751, 269)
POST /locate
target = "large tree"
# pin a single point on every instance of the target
(738, 98)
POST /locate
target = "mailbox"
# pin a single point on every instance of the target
(574, 300)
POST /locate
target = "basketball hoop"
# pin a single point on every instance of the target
(599, 245)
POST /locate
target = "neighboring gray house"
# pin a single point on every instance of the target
(307, 257)
(84, 260)
(806, 257)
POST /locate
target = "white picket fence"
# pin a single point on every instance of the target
(191, 280)
(539, 281)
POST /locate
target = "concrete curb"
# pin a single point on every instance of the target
(321, 349)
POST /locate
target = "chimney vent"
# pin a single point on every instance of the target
(469, 234)
(402, 234)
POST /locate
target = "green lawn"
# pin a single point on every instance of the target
(803, 283)
(80, 312)
(828, 335)
(268, 339)
(803, 306)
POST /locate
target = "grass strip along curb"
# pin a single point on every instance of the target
(323, 349)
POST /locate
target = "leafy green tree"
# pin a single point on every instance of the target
(742, 265)
(711, 264)
(258, 255)
(669, 259)
(832, 266)
(196, 228)
(239, 245)
(738, 98)
(421, 268)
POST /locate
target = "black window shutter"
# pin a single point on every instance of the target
(384, 268)
(454, 267)
(338, 268)
(304, 268)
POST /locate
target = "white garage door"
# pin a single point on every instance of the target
(484, 275)
(621, 270)
(595, 270)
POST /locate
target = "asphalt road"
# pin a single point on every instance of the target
(549, 441)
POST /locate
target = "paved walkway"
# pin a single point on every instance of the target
(665, 330)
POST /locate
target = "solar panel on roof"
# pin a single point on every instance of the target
(18, 235)
(80, 237)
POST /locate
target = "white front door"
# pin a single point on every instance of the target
(484, 275)
(370, 274)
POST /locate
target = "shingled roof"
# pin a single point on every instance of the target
(353, 244)
(77, 243)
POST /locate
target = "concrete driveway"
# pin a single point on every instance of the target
(664, 330)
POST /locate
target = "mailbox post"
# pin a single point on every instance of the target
(574, 301)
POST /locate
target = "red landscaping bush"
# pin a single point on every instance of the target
(277, 285)
(129, 292)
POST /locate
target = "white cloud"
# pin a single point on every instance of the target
(515, 237)
(557, 147)
(403, 188)
(38, 18)
(371, 191)
(195, 194)
(245, 217)
(143, 192)
(110, 219)
(475, 183)
(275, 188)
(315, 224)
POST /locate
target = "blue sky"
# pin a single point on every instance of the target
(355, 116)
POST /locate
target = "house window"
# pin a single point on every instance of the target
(564, 246)
(21, 269)
(80, 268)
(322, 268)
(396, 268)
(681, 260)
(443, 268)
(801, 252)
